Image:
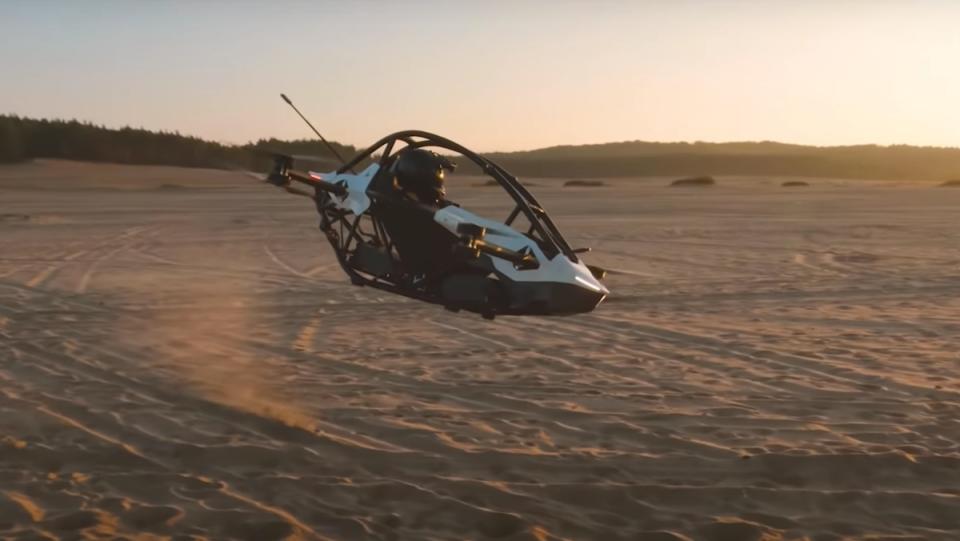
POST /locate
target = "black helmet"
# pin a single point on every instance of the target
(420, 172)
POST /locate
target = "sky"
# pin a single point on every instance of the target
(494, 75)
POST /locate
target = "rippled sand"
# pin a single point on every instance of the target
(187, 361)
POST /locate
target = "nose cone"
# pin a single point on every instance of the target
(554, 298)
(576, 299)
(578, 292)
(558, 287)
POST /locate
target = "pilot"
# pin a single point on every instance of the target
(419, 174)
(428, 251)
(425, 247)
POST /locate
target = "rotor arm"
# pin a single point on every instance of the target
(473, 238)
(520, 260)
(336, 189)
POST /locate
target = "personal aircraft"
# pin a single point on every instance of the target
(392, 229)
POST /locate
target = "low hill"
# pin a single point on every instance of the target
(640, 158)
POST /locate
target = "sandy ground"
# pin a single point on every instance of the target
(187, 361)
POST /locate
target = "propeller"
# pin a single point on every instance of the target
(281, 182)
(628, 272)
(311, 158)
(315, 159)
(278, 175)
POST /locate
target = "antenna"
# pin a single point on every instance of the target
(329, 146)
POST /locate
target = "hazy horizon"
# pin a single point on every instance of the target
(498, 76)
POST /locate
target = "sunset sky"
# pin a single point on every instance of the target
(494, 75)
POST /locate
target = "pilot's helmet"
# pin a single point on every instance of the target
(420, 172)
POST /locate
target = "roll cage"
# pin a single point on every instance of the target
(361, 242)
(542, 228)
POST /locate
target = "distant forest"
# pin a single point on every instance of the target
(25, 139)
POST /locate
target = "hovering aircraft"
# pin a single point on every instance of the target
(391, 228)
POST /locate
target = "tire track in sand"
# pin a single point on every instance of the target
(44, 275)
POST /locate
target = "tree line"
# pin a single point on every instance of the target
(25, 138)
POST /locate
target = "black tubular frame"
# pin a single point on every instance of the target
(540, 222)
(346, 232)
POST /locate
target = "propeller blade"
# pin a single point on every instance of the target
(256, 176)
(628, 272)
(315, 159)
(312, 158)
(261, 177)
(246, 172)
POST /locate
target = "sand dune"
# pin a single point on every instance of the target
(191, 364)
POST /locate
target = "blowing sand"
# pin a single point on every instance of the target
(190, 363)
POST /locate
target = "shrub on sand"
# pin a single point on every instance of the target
(583, 183)
(694, 181)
